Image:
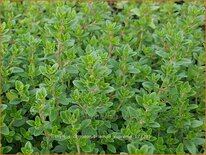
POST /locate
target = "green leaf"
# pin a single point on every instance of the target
(154, 124)
(78, 84)
(184, 62)
(88, 148)
(107, 124)
(131, 149)
(6, 149)
(136, 11)
(148, 85)
(41, 93)
(66, 117)
(91, 111)
(60, 148)
(196, 123)
(53, 68)
(76, 113)
(186, 87)
(180, 149)
(64, 100)
(4, 107)
(133, 70)
(42, 70)
(6, 38)
(4, 129)
(27, 149)
(20, 122)
(11, 95)
(85, 123)
(28, 145)
(144, 149)
(89, 131)
(53, 114)
(108, 90)
(19, 86)
(30, 122)
(36, 131)
(161, 54)
(15, 101)
(17, 70)
(111, 148)
(190, 147)
(193, 106)
(172, 129)
(152, 25)
(198, 141)
(72, 69)
(70, 43)
(133, 112)
(37, 121)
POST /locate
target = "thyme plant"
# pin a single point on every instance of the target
(102, 77)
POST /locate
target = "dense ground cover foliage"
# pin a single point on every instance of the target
(102, 77)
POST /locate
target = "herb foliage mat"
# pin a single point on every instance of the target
(102, 77)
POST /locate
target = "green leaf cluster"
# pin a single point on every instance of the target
(102, 77)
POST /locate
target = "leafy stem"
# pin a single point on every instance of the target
(141, 38)
(77, 142)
